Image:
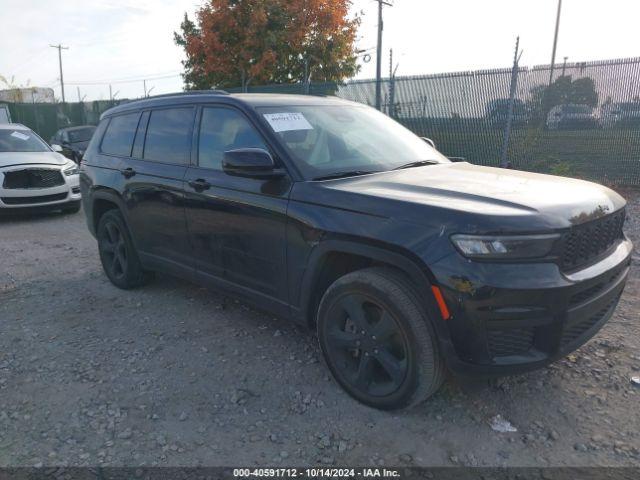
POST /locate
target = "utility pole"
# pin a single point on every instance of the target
(564, 65)
(379, 54)
(60, 48)
(555, 42)
(144, 84)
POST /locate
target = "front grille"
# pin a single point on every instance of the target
(32, 200)
(587, 241)
(33, 178)
(512, 341)
(574, 331)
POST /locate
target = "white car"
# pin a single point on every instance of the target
(572, 116)
(32, 175)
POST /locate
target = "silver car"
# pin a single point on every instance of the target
(32, 175)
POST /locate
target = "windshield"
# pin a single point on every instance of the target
(21, 141)
(81, 134)
(329, 139)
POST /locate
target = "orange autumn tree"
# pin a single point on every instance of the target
(235, 43)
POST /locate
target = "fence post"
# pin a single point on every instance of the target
(504, 163)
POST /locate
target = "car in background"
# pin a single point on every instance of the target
(621, 114)
(498, 112)
(33, 176)
(572, 116)
(72, 141)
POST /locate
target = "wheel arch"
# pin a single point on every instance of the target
(350, 255)
(103, 200)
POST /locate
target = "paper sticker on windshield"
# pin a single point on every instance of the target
(19, 135)
(285, 122)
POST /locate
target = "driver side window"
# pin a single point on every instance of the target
(223, 129)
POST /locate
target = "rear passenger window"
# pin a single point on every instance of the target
(169, 135)
(223, 129)
(118, 139)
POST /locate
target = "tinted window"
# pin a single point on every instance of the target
(169, 135)
(223, 129)
(138, 143)
(118, 138)
(81, 134)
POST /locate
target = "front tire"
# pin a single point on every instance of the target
(118, 254)
(377, 339)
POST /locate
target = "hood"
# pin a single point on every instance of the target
(9, 159)
(499, 196)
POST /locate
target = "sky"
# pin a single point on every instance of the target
(122, 42)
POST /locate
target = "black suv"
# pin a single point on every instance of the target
(332, 214)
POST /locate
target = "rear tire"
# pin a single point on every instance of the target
(377, 339)
(118, 255)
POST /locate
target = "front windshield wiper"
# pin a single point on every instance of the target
(350, 173)
(418, 163)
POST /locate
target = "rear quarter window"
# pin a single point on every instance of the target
(118, 139)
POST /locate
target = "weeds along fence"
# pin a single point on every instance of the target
(584, 123)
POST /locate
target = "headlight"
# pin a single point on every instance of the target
(73, 170)
(504, 247)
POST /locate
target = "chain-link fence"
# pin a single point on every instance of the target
(584, 123)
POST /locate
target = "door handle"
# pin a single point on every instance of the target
(128, 172)
(199, 184)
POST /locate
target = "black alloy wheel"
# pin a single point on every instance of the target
(377, 339)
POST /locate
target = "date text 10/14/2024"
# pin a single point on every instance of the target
(315, 472)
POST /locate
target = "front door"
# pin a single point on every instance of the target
(236, 225)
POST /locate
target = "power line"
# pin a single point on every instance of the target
(139, 78)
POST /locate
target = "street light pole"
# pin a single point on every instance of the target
(555, 42)
(379, 55)
(60, 48)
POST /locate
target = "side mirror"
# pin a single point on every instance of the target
(56, 148)
(250, 162)
(429, 141)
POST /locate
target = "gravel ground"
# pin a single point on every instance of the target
(173, 374)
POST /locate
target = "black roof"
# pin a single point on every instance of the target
(204, 96)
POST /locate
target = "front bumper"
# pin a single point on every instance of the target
(27, 199)
(510, 318)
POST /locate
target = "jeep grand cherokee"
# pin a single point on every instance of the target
(332, 214)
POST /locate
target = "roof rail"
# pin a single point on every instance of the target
(189, 92)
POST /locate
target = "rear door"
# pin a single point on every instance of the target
(236, 224)
(154, 186)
